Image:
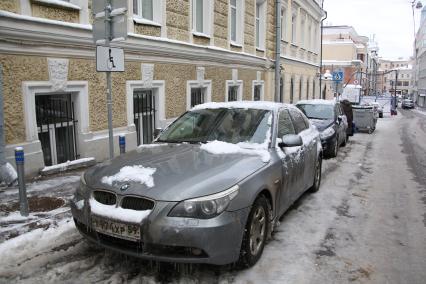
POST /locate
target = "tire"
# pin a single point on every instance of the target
(255, 233)
(332, 153)
(317, 178)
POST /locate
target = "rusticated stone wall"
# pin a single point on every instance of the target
(249, 27)
(175, 76)
(218, 75)
(10, 6)
(148, 30)
(200, 40)
(247, 75)
(17, 69)
(270, 29)
(220, 32)
(55, 13)
(178, 19)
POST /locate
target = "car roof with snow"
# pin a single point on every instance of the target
(316, 102)
(266, 105)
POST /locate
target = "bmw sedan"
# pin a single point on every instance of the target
(332, 124)
(209, 190)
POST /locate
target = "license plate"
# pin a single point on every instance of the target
(130, 232)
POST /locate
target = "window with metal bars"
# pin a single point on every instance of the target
(197, 96)
(56, 128)
(256, 92)
(232, 93)
(144, 115)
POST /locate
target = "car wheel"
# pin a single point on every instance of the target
(255, 233)
(335, 149)
(317, 178)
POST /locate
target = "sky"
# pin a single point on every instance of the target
(391, 21)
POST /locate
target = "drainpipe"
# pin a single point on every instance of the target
(8, 174)
(322, 27)
(277, 49)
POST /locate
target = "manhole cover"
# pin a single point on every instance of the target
(36, 204)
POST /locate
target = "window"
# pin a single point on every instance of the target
(144, 115)
(197, 96)
(285, 125)
(298, 120)
(284, 24)
(302, 32)
(236, 21)
(148, 10)
(232, 93)
(309, 45)
(260, 24)
(258, 91)
(293, 28)
(300, 89)
(291, 90)
(201, 16)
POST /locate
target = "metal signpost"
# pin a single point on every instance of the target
(110, 25)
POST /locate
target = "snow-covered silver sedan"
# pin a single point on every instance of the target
(209, 190)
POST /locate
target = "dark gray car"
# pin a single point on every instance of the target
(208, 191)
(332, 124)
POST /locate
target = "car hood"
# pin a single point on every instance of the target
(322, 124)
(182, 171)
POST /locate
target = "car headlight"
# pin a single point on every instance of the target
(205, 207)
(327, 133)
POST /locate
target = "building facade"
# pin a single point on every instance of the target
(388, 69)
(178, 53)
(419, 68)
(344, 50)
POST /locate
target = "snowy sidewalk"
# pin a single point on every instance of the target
(48, 200)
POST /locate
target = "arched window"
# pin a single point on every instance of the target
(291, 90)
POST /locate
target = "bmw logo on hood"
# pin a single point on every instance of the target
(124, 187)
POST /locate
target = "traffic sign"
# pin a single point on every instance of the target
(109, 59)
(337, 76)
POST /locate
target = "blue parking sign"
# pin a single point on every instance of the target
(338, 76)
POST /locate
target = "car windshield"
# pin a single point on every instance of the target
(227, 125)
(319, 111)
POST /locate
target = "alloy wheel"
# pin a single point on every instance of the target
(257, 230)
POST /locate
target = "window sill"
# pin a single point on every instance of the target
(58, 3)
(294, 45)
(195, 33)
(284, 41)
(260, 49)
(234, 44)
(146, 22)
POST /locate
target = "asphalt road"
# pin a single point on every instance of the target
(367, 224)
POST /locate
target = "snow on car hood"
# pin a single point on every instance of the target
(182, 171)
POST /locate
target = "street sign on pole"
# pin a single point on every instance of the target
(337, 76)
(110, 24)
(109, 59)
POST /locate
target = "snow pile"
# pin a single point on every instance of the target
(69, 164)
(117, 213)
(220, 147)
(153, 145)
(136, 173)
(7, 173)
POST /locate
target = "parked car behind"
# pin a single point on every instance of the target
(208, 191)
(407, 103)
(332, 124)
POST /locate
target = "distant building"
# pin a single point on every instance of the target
(346, 51)
(388, 69)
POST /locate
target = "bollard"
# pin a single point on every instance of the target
(122, 143)
(23, 202)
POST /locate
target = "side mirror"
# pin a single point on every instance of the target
(291, 140)
(157, 132)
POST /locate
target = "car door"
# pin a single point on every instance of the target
(288, 160)
(302, 159)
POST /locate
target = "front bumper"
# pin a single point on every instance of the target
(174, 239)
